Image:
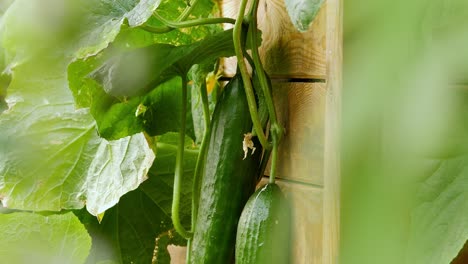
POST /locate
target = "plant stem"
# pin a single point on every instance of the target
(181, 21)
(246, 78)
(194, 22)
(171, 25)
(264, 163)
(188, 253)
(187, 11)
(275, 128)
(203, 149)
(179, 168)
(200, 162)
(274, 160)
(157, 30)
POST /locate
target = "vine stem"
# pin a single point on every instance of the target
(179, 168)
(246, 78)
(194, 22)
(274, 160)
(187, 11)
(157, 30)
(200, 163)
(171, 25)
(203, 149)
(181, 21)
(275, 129)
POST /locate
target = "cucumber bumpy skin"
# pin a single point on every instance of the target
(263, 234)
(228, 180)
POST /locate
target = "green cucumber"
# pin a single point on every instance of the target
(263, 233)
(228, 179)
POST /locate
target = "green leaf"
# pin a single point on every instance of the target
(303, 12)
(33, 238)
(199, 81)
(4, 82)
(164, 109)
(132, 229)
(51, 157)
(73, 29)
(4, 6)
(136, 72)
(439, 219)
(116, 118)
(170, 9)
(4, 78)
(439, 224)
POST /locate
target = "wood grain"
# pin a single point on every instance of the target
(301, 110)
(331, 227)
(284, 50)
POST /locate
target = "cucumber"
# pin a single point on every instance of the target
(263, 234)
(228, 179)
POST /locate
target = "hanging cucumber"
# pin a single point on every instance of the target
(228, 181)
(263, 233)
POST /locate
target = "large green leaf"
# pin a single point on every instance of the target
(136, 72)
(51, 157)
(33, 238)
(303, 12)
(73, 29)
(130, 231)
(439, 219)
(4, 78)
(203, 77)
(156, 113)
(439, 224)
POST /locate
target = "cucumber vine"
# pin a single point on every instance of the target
(275, 133)
(179, 170)
(113, 92)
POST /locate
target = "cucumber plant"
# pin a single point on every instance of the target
(96, 124)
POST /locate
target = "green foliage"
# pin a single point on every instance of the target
(34, 238)
(152, 84)
(170, 9)
(135, 72)
(439, 221)
(53, 158)
(53, 151)
(74, 29)
(129, 230)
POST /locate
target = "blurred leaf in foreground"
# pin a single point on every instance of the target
(33, 238)
(404, 186)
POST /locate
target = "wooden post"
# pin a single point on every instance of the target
(331, 213)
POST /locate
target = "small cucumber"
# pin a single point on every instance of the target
(228, 179)
(263, 233)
